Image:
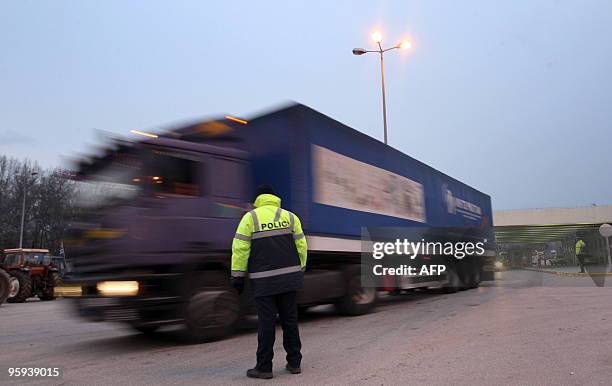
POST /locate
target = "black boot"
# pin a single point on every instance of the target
(255, 373)
(293, 370)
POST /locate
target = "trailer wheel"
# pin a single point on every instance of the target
(360, 297)
(452, 274)
(475, 277)
(5, 286)
(25, 287)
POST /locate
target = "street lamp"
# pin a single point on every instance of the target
(25, 192)
(377, 37)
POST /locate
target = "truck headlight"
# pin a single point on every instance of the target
(118, 288)
(499, 264)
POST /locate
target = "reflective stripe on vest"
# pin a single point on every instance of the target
(277, 214)
(275, 272)
(255, 220)
(242, 237)
(274, 232)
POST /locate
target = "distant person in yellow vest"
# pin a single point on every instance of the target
(581, 253)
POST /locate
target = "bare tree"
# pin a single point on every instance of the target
(49, 204)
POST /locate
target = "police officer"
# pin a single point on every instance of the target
(270, 248)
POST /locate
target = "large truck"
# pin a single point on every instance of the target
(153, 244)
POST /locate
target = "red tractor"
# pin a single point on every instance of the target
(35, 271)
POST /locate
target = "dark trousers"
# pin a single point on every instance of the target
(581, 262)
(267, 307)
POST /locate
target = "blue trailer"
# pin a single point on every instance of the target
(299, 150)
(178, 196)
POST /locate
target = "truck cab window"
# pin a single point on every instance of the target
(174, 176)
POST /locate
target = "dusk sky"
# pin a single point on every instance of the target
(512, 97)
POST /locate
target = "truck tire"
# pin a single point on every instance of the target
(25, 287)
(48, 293)
(211, 314)
(475, 277)
(360, 297)
(5, 286)
(465, 273)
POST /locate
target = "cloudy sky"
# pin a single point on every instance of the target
(511, 97)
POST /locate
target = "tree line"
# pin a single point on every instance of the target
(50, 204)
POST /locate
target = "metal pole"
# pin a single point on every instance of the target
(22, 216)
(384, 101)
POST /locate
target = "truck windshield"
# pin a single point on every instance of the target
(142, 172)
(118, 180)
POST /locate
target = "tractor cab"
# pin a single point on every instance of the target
(25, 258)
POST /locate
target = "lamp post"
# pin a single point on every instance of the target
(377, 37)
(25, 192)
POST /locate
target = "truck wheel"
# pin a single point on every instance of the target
(360, 297)
(474, 275)
(5, 286)
(48, 293)
(25, 287)
(211, 314)
(465, 273)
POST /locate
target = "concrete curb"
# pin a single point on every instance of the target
(569, 274)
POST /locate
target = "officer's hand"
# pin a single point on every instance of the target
(238, 284)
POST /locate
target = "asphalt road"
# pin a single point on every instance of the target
(526, 328)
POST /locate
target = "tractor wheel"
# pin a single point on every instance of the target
(25, 287)
(13, 287)
(5, 284)
(53, 280)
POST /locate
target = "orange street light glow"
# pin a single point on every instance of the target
(155, 178)
(377, 36)
(405, 45)
(145, 134)
(242, 121)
